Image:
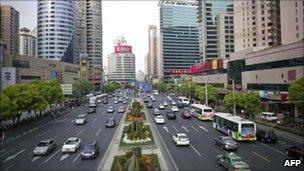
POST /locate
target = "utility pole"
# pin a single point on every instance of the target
(233, 92)
(206, 93)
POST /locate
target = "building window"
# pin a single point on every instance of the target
(297, 27)
(297, 19)
(297, 35)
(296, 4)
(263, 18)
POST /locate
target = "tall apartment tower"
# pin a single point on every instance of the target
(178, 35)
(292, 21)
(257, 24)
(89, 32)
(9, 32)
(56, 30)
(215, 19)
(121, 63)
(154, 52)
(28, 43)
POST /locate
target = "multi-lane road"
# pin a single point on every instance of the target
(201, 154)
(17, 155)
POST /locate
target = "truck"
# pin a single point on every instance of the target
(93, 102)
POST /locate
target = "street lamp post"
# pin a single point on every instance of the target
(233, 92)
(206, 93)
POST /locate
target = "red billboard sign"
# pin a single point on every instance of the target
(123, 49)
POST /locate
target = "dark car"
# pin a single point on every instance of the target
(91, 110)
(90, 151)
(170, 115)
(105, 101)
(110, 122)
(146, 100)
(295, 151)
(150, 105)
(226, 143)
(266, 136)
(180, 105)
(186, 115)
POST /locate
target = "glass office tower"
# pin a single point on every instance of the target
(178, 35)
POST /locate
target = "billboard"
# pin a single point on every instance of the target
(123, 49)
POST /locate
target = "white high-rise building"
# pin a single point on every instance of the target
(27, 43)
(121, 63)
(56, 29)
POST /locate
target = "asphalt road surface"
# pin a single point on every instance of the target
(201, 154)
(17, 155)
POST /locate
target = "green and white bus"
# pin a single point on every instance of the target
(236, 127)
(202, 112)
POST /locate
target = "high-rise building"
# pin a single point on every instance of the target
(178, 35)
(9, 32)
(215, 21)
(292, 21)
(89, 32)
(147, 64)
(56, 30)
(28, 43)
(154, 54)
(257, 24)
(121, 63)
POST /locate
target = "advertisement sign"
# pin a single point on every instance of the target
(214, 64)
(123, 49)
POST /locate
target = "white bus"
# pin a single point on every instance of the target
(202, 112)
(235, 126)
(184, 100)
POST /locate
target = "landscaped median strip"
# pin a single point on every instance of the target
(127, 139)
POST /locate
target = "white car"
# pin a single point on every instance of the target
(181, 139)
(110, 109)
(173, 103)
(71, 145)
(174, 109)
(161, 106)
(121, 110)
(165, 103)
(81, 119)
(99, 101)
(269, 116)
(159, 119)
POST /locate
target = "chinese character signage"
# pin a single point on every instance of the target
(123, 49)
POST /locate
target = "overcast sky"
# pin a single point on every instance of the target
(120, 18)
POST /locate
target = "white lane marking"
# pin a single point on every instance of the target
(80, 132)
(166, 128)
(179, 117)
(10, 166)
(68, 120)
(36, 158)
(195, 150)
(175, 128)
(77, 157)
(3, 150)
(51, 156)
(195, 128)
(262, 157)
(55, 136)
(183, 127)
(13, 156)
(30, 153)
(95, 119)
(272, 148)
(203, 128)
(45, 132)
(7, 152)
(64, 157)
(72, 120)
(67, 128)
(98, 132)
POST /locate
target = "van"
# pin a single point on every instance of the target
(269, 116)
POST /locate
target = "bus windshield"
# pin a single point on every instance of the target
(247, 129)
(207, 110)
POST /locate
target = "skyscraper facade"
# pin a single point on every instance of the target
(178, 36)
(9, 33)
(258, 24)
(89, 32)
(56, 30)
(28, 43)
(292, 21)
(211, 24)
(154, 54)
(121, 63)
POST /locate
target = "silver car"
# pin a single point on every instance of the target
(45, 147)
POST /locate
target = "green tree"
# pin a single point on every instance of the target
(161, 87)
(109, 87)
(188, 85)
(116, 85)
(83, 87)
(8, 108)
(49, 89)
(296, 93)
(200, 93)
(252, 104)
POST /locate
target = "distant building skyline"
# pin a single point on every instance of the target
(28, 42)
